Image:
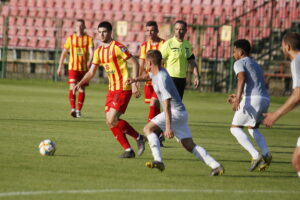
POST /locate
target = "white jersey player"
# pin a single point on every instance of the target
(173, 121)
(249, 102)
(291, 50)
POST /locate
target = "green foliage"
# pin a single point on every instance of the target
(86, 156)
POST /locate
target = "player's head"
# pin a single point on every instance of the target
(105, 30)
(80, 26)
(241, 48)
(180, 29)
(153, 58)
(152, 30)
(290, 42)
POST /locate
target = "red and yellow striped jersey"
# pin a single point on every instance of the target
(79, 51)
(113, 59)
(146, 46)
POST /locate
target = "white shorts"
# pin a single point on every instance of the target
(179, 123)
(250, 111)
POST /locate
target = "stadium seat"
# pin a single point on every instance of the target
(88, 5)
(13, 41)
(51, 13)
(23, 11)
(41, 32)
(42, 43)
(128, 16)
(138, 17)
(23, 41)
(78, 5)
(33, 12)
(176, 9)
(5, 11)
(149, 17)
(40, 4)
(69, 5)
(140, 37)
(118, 16)
(39, 22)
(146, 7)
(156, 7)
(59, 4)
(79, 14)
(136, 7)
(70, 13)
(107, 5)
(49, 3)
(51, 43)
(50, 32)
(12, 31)
(49, 22)
(90, 15)
(166, 8)
(159, 18)
(187, 9)
(137, 27)
(32, 42)
(20, 21)
(126, 6)
(22, 31)
(61, 13)
(31, 32)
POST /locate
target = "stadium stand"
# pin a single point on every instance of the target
(34, 23)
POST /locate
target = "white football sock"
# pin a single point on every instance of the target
(243, 139)
(154, 146)
(260, 140)
(202, 154)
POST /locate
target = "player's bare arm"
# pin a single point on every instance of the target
(61, 61)
(193, 64)
(239, 91)
(91, 53)
(87, 77)
(290, 104)
(135, 71)
(168, 132)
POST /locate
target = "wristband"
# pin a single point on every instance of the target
(298, 143)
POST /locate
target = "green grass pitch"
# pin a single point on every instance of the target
(86, 166)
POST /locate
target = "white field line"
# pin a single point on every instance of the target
(31, 193)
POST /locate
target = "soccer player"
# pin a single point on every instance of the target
(249, 108)
(154, 42)
(177, 54)
(80, 45)
(291, 50)
(114, 56)
(173, 121)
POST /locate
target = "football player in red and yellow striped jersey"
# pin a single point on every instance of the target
(114, 56)
(154, 43)
(80, 46)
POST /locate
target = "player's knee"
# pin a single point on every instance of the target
(188, 144)
(146, 130)
(110, 122)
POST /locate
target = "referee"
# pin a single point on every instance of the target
(177, 54)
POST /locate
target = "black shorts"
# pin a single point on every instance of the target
(180, 85)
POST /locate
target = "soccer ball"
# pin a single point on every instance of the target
(47, 148)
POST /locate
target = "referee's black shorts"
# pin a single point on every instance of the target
(180, 85)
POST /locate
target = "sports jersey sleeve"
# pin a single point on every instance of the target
(165, 50)
(123, 52)
(238, 67)
(143, 52)
(91, 42)
(295, 69)
(96, 59)
(162, 85)
(67, 44)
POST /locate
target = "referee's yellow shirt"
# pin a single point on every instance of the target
(175, 55)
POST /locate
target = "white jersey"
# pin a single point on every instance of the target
(295, 69)
(254, 77)
(165, 89)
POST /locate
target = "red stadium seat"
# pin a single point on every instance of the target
(22, 31)
(61, 13)
(13, 41)
(24, 12)
(50, 32)
(176, 9)
(70, 13)
(42, 43)
(49, 22)
(41, 32)
(69, 5)
(136, 7)
(126, 6)
(12, 31)
(49, 3)
(51, 13)
(59, 4)
(128, 16)
(88, 5)
(78, 5)
(40, 4)
(156, 7)
(23, 41)
(5, 11)
(146, 7)
(32, 42)
(39, 22)
(51, 43)
(31, 32)
(187, 9)
(166, 8)
(20, 21)
(79, 14)
(90, 15)
(107, 5)
(138, 17)
(207, 2)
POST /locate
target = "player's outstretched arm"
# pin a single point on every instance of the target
(87, 77)
(63, 56)
(135, 71)
(290, 104)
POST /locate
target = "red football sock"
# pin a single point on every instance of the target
(120, 136)
(72, 99)
(81, 96)
(157, 111)
(151, 113)
(127, 129)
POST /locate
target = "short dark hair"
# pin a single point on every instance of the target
(81, 20)
(243, 44)
(155, 56)
(152, 23)
(292, 39)
(105, 24)
(181, 22)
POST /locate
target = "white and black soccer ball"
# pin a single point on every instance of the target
(47, 148)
